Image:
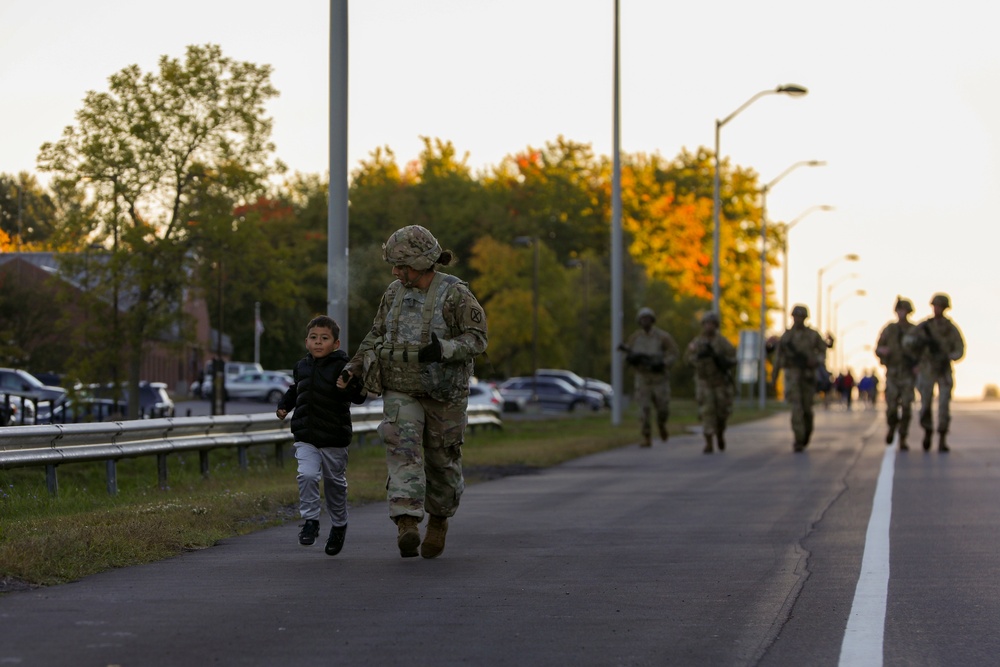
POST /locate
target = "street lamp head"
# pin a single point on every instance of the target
(851, 257)
(792, 89)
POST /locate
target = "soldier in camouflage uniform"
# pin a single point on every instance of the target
(900, 373)
(800, 351)
(713, 358)
(420, 356)
(651, 351)
(937, 342)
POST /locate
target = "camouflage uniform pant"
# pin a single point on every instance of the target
(800, 389)
(899, 385)
(926, 380)
(715, 405)
(652, 394)
(423, 450)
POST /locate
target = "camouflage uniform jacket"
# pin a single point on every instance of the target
(457, 319)
(658, 347)
(712, 358)
(892, 337)
(937, 341)
(800, 347)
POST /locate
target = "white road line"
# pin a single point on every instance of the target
(863, 639)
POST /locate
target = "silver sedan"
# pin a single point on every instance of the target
(267, 386)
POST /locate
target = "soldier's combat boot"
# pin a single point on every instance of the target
(902, 443)
(433, 544)
(928, 434)
(942, 443)
(708, 444)
(798, 446)
(721, 440)
(408, 540)
(664, 434)
(646, 441)
(890, 434)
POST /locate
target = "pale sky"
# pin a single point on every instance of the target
(903, 105)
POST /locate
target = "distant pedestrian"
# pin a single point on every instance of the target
(713, 358)
(939, 342)
(900, 373)
(800, 351)
(321, 425)
(847, 388)
(651, 351)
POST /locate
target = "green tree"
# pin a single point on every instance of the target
(142, 152)
(27, 212)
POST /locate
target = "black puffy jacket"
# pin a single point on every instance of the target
(322, 414)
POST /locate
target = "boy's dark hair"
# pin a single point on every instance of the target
(325, 322)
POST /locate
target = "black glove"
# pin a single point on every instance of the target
(431, 352)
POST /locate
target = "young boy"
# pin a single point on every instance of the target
(321, 425)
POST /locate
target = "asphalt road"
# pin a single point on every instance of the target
(660, 556)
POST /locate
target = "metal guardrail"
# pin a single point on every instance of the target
(51, 445)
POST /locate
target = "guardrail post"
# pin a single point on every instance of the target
(51, 479)
(203, 462)
(161, 470)
(112, 468)
(244, 460)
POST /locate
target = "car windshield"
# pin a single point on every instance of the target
(30, 379)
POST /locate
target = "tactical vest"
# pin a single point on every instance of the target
(408, 327)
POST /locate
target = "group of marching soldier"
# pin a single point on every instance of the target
(916, 358)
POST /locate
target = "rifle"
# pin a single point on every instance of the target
(646, 361)
(799, 360)
(932, 344)
(706, 350)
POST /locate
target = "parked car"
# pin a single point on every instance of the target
(8, 413)
(43, 397)
(267, 386)
(154, 401)
(89, 409)
(486, 395)
(203, 388)
(603, 388)
(549, 393)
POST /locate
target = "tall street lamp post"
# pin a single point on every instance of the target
(836, 307)
(788, 89)
(761, 380)
(829, 295)
(819, 283)
(784, 264)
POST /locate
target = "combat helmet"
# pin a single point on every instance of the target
(941, 299)
(643, 312)
(412, 246)
(800, 311)
(710, 316)
(903, 303)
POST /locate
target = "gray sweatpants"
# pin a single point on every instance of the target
(330, 464)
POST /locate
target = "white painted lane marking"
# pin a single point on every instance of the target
(864, 637)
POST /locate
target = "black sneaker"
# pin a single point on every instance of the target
(309, 532)
(336, 540)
